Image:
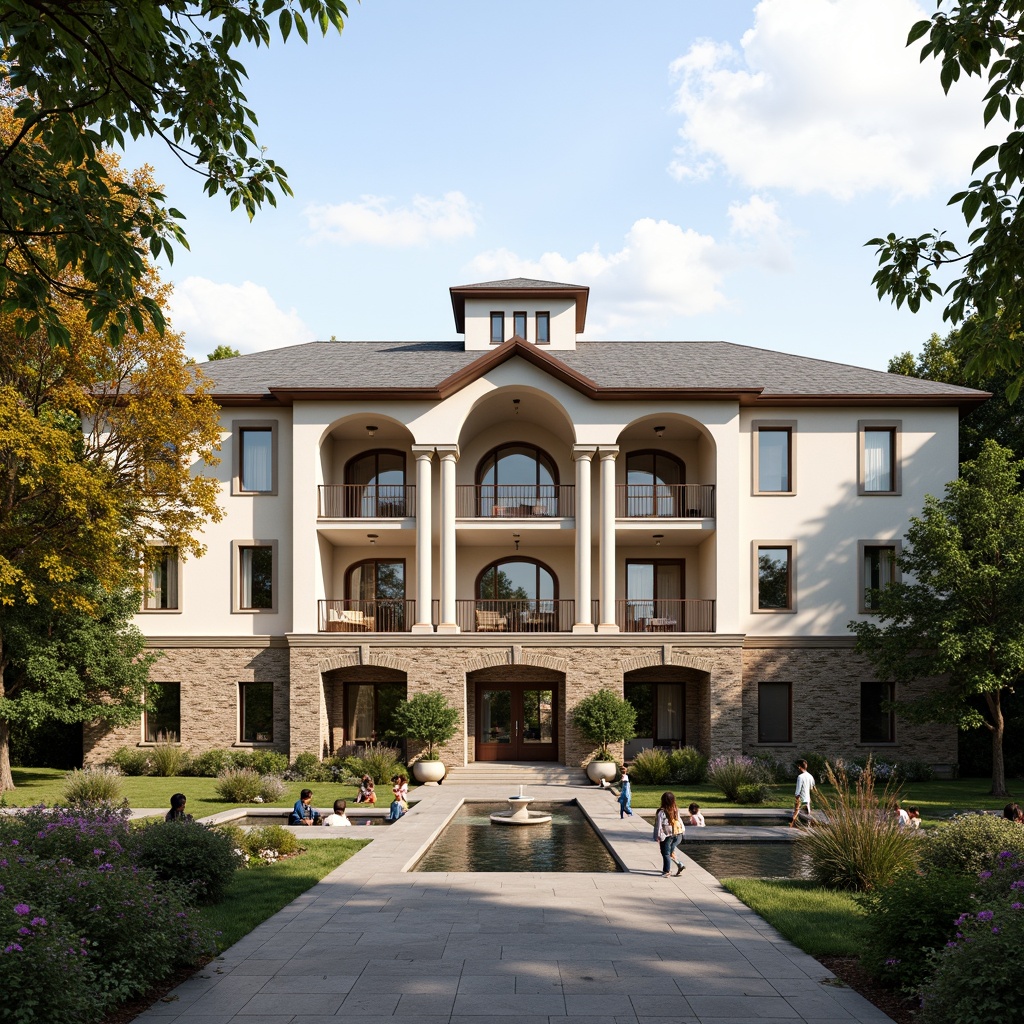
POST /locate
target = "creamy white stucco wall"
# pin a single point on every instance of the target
(562, 324)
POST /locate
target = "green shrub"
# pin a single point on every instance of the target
(728, 773)
(428, 718)
(817, 765)
(689, 766)
(131, 761)
(209, 764)
(169, 759)
(275, 838)
(201, 859)
(604, 717)
(915, 771)
(752, 793)
(271, 788)
(860, 845)
(911, 916)
(239, 785)
(970, 842)
(381, 763)
(652, 767)
(307, 767)
(269, 762)
(92, 786)
(771, 769)
(975, 979)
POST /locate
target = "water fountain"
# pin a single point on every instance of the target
(519, 812)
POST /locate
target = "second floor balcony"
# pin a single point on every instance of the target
(366, 501)
(515, 501)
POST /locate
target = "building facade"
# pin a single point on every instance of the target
(522, 518)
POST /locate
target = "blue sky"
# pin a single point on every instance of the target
(710, 170)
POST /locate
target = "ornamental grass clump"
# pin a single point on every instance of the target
(381, 762)
(169, 758)
(860, 845)
(689, 766)
(729, 773)
(239, 786)
(651, 767)
(100, 785)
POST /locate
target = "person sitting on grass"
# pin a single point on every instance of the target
(367, 794)
(302, 812)
(177, 811)
(338, 817)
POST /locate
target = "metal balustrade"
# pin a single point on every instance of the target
(367, 501)
(376, 616)
(689, 615)
(515, 615)
(515, 501)
(659, 501)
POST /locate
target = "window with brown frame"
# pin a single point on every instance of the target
(774, 712)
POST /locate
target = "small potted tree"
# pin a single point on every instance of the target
(604, 717)
(430, 719)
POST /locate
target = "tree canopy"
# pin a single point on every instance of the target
(985, 299)
(80, 77)
(959, 616)
(223, 352)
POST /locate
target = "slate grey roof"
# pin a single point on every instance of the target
(612, 364)
(515, 284)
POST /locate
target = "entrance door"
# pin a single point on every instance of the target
(515, 722)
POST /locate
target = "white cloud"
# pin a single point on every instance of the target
(243, 316)
(825, 97)
(374, 220)
(662, 270)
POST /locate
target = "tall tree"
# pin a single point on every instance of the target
(223, 352)
(984, 298)
(84, 75)
(960, 614)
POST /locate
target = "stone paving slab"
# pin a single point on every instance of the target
(377, 942)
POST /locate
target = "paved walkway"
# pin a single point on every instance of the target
(374, 942)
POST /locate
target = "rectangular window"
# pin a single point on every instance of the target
(162, 718)
(878, 570)
(543, 328)
(774, 713)
(256, 703)
(497, 328)
(773, 458)
(162, 580)
(255, 457)
(773, 573)
(256, 577)
(879, 458)
(519, 325)
(876, 724)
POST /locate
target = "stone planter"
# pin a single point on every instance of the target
(602, 770)
(428, 773)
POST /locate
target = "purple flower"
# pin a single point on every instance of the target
(1004, 854)
(21, 909)
(24, 931)
(13, 947)
(892, 962)
(985, 915)
(1017, 906)
(985, 874)
(39, 922)
(1017, 885)
(995, 930)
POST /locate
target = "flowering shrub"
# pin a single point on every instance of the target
(84, 836)
(271, 788)
(970, 842)
(729, 773)
(92, 786)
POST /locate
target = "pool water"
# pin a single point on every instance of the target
(472, 842)
(751, 860)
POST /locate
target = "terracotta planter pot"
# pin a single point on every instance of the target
(428, 773)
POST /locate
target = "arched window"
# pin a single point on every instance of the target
(517, 480)
(654, 484)
(375, 595)
(375, 485)
(517, 594)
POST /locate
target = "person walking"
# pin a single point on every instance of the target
(669, 831)
(625, 795)
(802, 794)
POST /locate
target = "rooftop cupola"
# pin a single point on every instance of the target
(543, 313)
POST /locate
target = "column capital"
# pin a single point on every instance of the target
(607, 451)
(584, 451)
(447, 451)
(423, 451)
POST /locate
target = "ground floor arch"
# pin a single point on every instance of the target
(672, 704)
(515, 713)
(360, 701)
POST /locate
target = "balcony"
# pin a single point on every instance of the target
(515, 615)
(366, 501)
(515, 501)
(355, 616)
(660, 501)
(689, 615)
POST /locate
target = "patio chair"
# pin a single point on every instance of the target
(491, 622)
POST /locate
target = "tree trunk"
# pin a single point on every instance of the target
(995, 707)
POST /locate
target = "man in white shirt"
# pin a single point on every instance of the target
(804, 785)
(339, 817)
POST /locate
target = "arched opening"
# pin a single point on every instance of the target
(519, 594)
(671, 708)
(361, 702)
(375, 485)
(375, 588)
(517, 479)
(655, 484)
(515, 711)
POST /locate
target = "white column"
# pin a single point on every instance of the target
(583, 455)
(424, 455)
(449, 455)
(606, 593)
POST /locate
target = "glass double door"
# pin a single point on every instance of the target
(516, 722)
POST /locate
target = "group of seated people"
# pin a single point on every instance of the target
(303, 813)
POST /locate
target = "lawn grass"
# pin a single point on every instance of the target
(257, 893)
(44, 785)
(936, 799)
(822, 922)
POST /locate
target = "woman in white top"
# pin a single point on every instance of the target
(669, 830)
(338, 817)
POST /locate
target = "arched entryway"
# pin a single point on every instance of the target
(671, 708)
(515, 712)
(361, 702)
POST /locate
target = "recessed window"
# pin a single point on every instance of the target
(256, 706)
(519, 325)
(162, 580)
(879, 457)
(877, 570)
(161, 721)
(774, 713)
(497, 328)
(255, 462)
(543, 324)
(255, 565)
(773, 577)
(773, 458)
(877, 725)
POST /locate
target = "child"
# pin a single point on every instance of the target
(913, 817)
(302, 812)
(625, 795)
(902, 816)
(397, 810)
(401, 790)
(338, 817)
(367, 794)
(696, 818)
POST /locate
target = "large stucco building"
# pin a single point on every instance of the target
(522, 518)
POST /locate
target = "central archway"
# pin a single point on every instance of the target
(514, 711)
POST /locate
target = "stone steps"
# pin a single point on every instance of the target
(537, 773)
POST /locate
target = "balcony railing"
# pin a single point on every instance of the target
(367, 501)
(655, 501)
(377, 616)
(515, 616)
(692, 615)
(515, 501)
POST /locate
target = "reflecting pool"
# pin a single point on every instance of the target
(751, 859)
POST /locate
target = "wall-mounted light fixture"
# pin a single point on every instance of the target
(371, 431)
(659, 431)
(515, 404)
(372, 538)
(515, 538)
(658, 538)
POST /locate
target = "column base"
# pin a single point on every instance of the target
(422, 627)
(583, 627)
(607, 627)
(448, 627)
